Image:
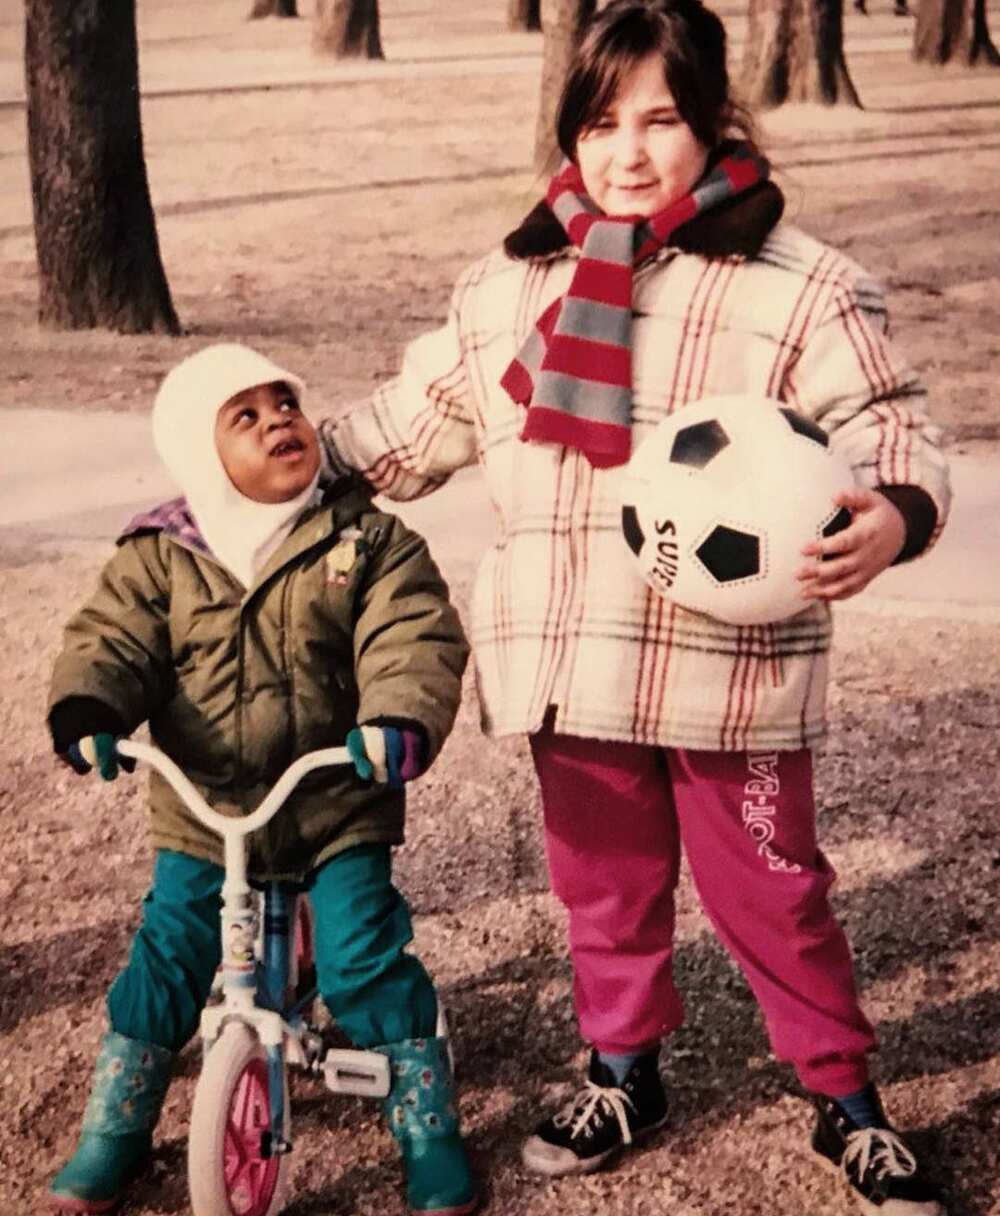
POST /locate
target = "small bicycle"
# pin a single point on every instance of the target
(240, 1133)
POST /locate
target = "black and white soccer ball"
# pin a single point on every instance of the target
(719, 500)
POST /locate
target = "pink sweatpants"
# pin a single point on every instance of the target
(615, 815)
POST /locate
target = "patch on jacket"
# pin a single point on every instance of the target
(341, 558)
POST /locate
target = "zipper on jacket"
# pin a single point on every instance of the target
(238, 714)
(322, 537)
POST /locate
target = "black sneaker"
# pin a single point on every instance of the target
(600, 1120)
(879, 1168)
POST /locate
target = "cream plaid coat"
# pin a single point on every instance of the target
(559, 615)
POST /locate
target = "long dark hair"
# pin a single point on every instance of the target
(691, 42)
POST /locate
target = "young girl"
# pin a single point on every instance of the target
(264, 615)
(657, 272)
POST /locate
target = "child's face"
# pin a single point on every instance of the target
(267, 446)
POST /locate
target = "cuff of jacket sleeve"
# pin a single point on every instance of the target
(334, 464)
(416, 742)
(919, 515)
(75, 717)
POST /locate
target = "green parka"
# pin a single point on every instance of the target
(349, 622)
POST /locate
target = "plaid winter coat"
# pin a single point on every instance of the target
(559, 615)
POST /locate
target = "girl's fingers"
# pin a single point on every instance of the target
(830, 576)
(857, 500)
(840, 591)
(844, 564)
(844, 542)
(851, 540)
(837, 589)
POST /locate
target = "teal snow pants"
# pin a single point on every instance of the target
(376, 992)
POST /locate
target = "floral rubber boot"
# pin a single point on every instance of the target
(423, 1117)
(130, 1083)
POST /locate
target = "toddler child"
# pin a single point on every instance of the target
(271, 611)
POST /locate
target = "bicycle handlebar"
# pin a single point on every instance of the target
(227, 825)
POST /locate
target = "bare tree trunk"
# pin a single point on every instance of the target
(795, 52)
(954, 31)
(347, 29)
(524, 14)
(273, 8)
(95, 233)
(764, 72)
(562, 21)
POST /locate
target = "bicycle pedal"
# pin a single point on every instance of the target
(366, 1073)
(313, 1049)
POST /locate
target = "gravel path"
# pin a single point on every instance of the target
(908, 817)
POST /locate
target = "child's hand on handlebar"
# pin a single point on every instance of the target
(96, 751)
(84, 731)
(388, 754)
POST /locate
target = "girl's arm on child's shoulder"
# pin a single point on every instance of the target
(116, 648)
(409, 647)
(417, 429)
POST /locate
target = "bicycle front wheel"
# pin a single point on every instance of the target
(227, 1173)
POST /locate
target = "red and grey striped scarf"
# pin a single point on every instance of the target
(574, 372)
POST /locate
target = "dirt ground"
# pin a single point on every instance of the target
(325, 223)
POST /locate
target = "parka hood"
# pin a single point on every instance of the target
(239, 532)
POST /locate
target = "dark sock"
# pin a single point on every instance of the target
(619, 1064)
(861, 1107)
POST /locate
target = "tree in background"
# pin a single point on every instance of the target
(347, 29)
(273, 8)
(795, 52)
(954, 31)
(95, 233)
(524, 14)
(562, 21)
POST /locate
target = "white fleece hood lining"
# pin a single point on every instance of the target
(241, 533)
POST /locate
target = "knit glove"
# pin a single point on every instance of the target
(97, 751)
(388, 754)
(83, 733)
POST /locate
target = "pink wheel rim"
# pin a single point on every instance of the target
(250, 1178)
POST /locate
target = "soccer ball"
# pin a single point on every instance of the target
(719, 500)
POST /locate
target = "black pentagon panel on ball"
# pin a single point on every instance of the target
(634, 537)
(728, 554)
(697, 444)
(837, 524)
(802, 425)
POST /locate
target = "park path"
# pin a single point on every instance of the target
(465, 39)
(115, 473)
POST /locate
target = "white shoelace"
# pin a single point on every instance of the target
(880, 1149)
(580, 1109)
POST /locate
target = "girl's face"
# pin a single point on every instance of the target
(266, 444)
(639, 156)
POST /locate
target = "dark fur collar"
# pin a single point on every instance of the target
(737, 227)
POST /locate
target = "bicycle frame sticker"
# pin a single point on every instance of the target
(239, 931)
